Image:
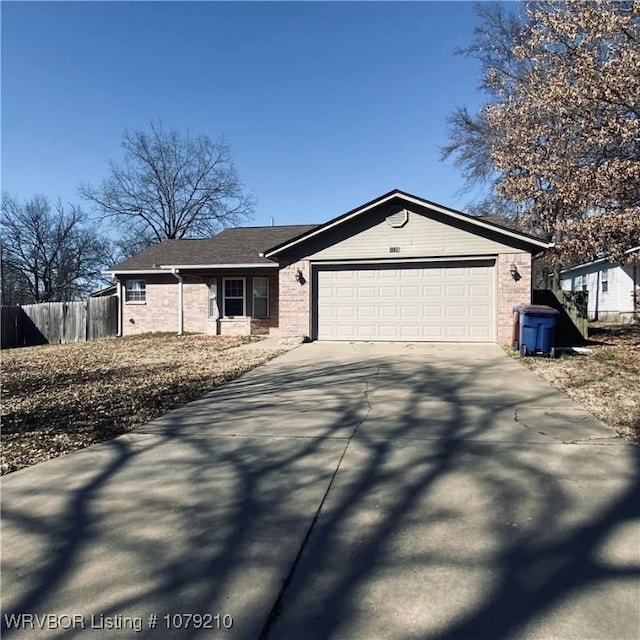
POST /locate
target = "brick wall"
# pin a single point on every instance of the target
(510, 292)
(195, 306)
(234, 326)
(160, 311)
(295, 300)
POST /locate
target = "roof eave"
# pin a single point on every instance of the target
(168, 268)
(115, 272)
(241, 265)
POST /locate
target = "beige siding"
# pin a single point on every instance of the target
(420, 237)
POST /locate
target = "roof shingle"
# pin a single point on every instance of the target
(240, 245)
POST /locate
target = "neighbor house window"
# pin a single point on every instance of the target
(580, 283)
(605, 281)
(261, 297)
(233, 296)
(135, 291)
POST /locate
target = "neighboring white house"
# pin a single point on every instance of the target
(613, 288)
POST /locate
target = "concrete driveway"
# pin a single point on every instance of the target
(342, 491)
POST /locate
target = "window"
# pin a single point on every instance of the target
(577, 283)
(214, 311)
(233, 296)
(605, 281)
(580, 283)
(261, 297)
(135, 291)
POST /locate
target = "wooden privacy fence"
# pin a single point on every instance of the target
(572, 328)
(59, 322)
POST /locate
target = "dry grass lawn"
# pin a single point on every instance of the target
(59, 398)
(605, 381)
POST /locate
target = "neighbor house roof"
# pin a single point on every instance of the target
(111, 290)
(231, 247)
(408, 199)
(596, 261)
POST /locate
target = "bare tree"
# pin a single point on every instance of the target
(496, 37)
(48, 253)
(170, 186)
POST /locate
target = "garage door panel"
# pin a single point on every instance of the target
(455, 312)
(479, 291)
(388, 332)
(455, 291)
(476, 311)
(346, 312)
(432, 332)
(433, 292)
(422, 303)
(411, 312)
(389, 312)
(480, 334)
(366, 312)
(346, 292)
(481, 272)
(410, 292)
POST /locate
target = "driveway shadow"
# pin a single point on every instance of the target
(359, 495)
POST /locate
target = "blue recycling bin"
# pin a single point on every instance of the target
(537, 329)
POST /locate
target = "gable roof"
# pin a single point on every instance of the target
(232, 247)
(534, 243)
(602, 260)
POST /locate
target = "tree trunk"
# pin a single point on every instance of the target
(556, 283)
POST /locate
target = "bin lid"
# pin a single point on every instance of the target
(538, 310)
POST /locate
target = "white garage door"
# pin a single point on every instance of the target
(452, 301)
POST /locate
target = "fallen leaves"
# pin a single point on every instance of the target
(605, 381)
(59, 398)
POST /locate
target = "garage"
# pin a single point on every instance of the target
(442, 301)
(402, 268)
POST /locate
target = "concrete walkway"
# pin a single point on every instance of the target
(339, 492)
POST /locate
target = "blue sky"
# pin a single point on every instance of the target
(326, 105)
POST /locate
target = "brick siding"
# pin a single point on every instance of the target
(295, 300)
(160, 311)
(510, 292)
(289, 303)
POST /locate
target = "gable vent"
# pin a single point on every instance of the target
(399, 219)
